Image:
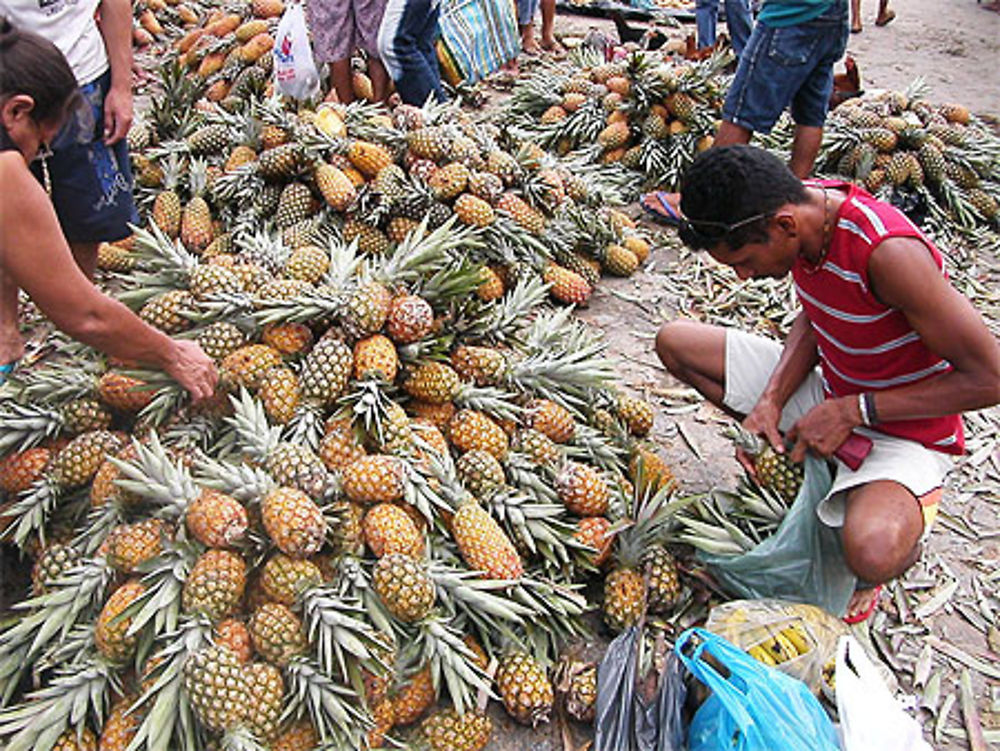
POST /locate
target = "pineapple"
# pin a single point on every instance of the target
(491, 285)
(526, 690)
(294, 205)
(637, 413)
(239, 156)
(300, 736)
(428, 143)
(277, 633)
(219, 339)
(414, 698)
(565, 285)
(374, 479)
(594, 532)
(433, 382)
(111, 631)
(664, 587)
(437, 414)
(483, 544)
(479, 471)
(535, 445)
(449, 731)
(367, 310)
(336, 188)
(624, 598)
(20, 470)
(247, 365)
(582, 489)
(120, 727)
(474, 211)
(522, 213)
(470, 429)
(130, 545)
(580, 691)
(654, 473)
(215, 585)
(375, 357)
(483, 366)
(208, 139)
(287, 338)
(369, 158)
(166, 311)
(167, 208)
(619, 260)
(281, 394)
(502, 164)
(196, 219)
(487, 186)
(216, 520)
(326, 370)
(55, 560)
(280, 163)
(215, 685)
(308, 263)
(265, 694)
(614, 136)
(293, 521)
(404, 587)
(74, 740)
(207, 280)
(389, 529)
(774, 472)
(449, 181)
(371, 240)
(409, 319)
(283, 578)
(77, 463)
(339, 447)
(234, 634)
(111, 257)
(551, 419)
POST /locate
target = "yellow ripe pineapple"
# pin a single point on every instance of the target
(283, 578)
(619, 260)
(580, 690)
(521, 212)
(433, 382)
(339, 447)
(491, 285)
(129, 545)
(369, 158)
(299, 736)
(265, 697)
(470, 429)
(367, 309)
(197, 230)
(326, 370)
(638, 246)
(593, 531)
(484, 366)
(277, 633)
(474, 211)
(79, 461)
(449, 731)
(308, 263)
(389, 529)
(336, 188)
(378, 478)
(234, 634)
(239, 156)
(525, 689)
(215, 685)
(166, 311)
(216, 520)
(220, 338)
(71, 740)
(624, 598)
(774, 471)
(166, 211)
(247, 365)
(293, 521)
(637, 413)
(664, 586)
(111, 635)
(565, 285)
(409, 319)
(383, 715)
(535, 445)
(287, 338)
(582, 489)
(375, 357)
(281, 394)
(438, 415)
(483, 544)
(449, 181)
(20, 470)
(111, 257)
(404, 586)
(215, 585)
(53, 562)
(551, 419)
(121, 726)
(655, 472)
(415, 697)
(479, 472)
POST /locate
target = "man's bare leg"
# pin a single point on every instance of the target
(528, 42)
(340, 81)
(882, 529)
(805, 147)
(855, 16)
(380, 78)
(730, 134)
(695, 353)
(548, 26)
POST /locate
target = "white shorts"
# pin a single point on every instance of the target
(750, 359)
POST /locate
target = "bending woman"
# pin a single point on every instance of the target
(37, 93)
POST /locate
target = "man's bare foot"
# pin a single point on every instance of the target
(885, 18)
(994, 6)
(862, 605)
(552, 45)
(856, 28)
(531, 48)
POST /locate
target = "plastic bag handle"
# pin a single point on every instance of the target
(734, 699)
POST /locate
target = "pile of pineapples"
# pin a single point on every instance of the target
(647, 113)
(897, 143)
(411, 469)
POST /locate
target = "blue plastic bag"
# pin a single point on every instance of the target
(755, 708)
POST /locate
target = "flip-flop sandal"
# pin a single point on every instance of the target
(889, 18)
(6, 369)
(865, 614)
(668, 216)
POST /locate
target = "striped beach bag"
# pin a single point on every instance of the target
(477, 37)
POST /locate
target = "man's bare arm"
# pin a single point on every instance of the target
(116, 28)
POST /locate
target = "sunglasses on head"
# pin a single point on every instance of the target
(705, 234)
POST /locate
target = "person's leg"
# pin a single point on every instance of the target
(400, 39)
(805, 147)
(731, 133)
(548, 26)
(368, 16)
(740, 23)
(883, 523)
(340, 80)
(885, 13)
(526, 21)
(428, 48)
(332, 26)
(695, 353)
(855, 16)
(706, 14)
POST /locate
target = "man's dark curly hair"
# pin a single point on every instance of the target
(728, 184)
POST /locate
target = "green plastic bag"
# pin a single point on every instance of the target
(803, 561)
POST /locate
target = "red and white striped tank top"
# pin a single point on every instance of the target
(863, 344)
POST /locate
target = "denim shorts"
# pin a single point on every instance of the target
(787, 65)
(91, 182)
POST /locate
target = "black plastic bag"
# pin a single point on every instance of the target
(625, 720)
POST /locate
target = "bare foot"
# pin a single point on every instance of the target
(531, 48)
(862, 605)
(553, 46)
(856, 28)
(994, 6)
(885, 18)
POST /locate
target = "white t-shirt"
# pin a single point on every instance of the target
(70, 25)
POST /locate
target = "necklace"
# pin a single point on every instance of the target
(812, 268)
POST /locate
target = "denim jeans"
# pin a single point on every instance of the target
(406, 42)
(738, 19)
(788, 65)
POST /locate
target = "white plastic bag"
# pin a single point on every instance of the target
(294, 68)
(870, 717)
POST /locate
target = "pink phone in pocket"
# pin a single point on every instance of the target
(853, 451)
